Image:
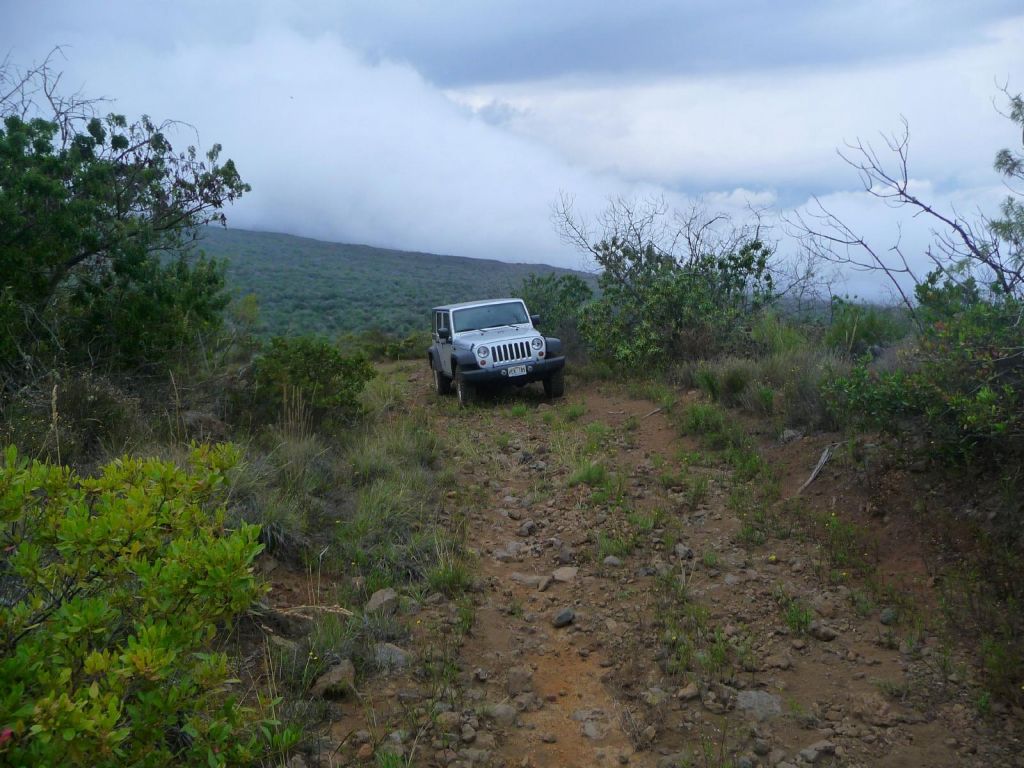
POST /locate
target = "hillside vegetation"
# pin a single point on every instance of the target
(228, 540)
(311, 286)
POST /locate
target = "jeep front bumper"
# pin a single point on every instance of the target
(535, 371)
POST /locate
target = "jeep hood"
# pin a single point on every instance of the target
(491, 335)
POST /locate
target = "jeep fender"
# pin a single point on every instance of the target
(463, 358)
(553, 345)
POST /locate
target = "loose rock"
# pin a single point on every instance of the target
(565, 574)
(335, 682)
(761, 705)
(389, 656)
(563, 618)
(822, 632)
(520, 680)
(383, 601)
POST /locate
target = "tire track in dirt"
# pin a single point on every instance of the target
(613, 687)
(599, 693)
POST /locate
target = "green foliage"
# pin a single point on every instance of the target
(378, 345)
(312, 370)
(558, 300)
(310, 286)
(115, 589)
(655, 309)
(590, 473)
(776, 335)
(89, 208)
(965, 396)
(143, 310)
(856, 327)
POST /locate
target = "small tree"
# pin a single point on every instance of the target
(309, 372)
(965, 395)
(672, 286)
(90, 209)
(558, 300)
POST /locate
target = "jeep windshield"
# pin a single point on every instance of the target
(489, 316)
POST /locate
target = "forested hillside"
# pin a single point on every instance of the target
(311, 286)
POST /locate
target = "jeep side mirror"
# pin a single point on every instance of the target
(444, 334)
(535, 319)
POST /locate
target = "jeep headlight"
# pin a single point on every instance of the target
(483, 351)
(537, 343)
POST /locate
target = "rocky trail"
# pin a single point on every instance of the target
(626, 612)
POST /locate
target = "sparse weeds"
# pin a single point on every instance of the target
(613, 544)
(598, 436)
(658, 393)
(646, 522)
(591, 473)
(862, 602)
(795, 612)
(519, 411)
(451, 575)
(574, 412)
(697, 489)
(702, 419)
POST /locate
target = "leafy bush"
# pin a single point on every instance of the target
(655, 310)
(775, 335)
(114, 588)
(313, 371)
(91, 209)
(144, 310)
(855, 328)
(965, 394)
(558, 300)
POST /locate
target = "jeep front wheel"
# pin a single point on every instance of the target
(465, 391)
(554, 385)
(442, 383)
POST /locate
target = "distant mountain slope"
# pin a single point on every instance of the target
(311, 286)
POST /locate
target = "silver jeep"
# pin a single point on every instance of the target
(492, 341)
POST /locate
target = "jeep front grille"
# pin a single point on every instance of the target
(513, 350)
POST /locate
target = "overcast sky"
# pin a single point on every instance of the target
(453, 126)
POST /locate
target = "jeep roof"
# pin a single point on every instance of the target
(479, 303)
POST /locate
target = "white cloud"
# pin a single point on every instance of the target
(342, 143)
(339, 148)
(778, 128)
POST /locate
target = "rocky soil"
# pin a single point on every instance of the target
(637, 622)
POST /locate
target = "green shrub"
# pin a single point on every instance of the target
(856, 327)
(312, 371)
(657, 307)
(963, 398)
(115, 588)
(702, 419)
(775, 335)
(708, 382)
(590, 473)
(558, 300)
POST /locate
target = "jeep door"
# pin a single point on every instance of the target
(443, 346)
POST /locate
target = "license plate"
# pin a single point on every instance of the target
(517, 370)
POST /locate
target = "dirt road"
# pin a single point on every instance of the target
(637, 604)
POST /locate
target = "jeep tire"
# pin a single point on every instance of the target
(554, 385)
(442, 384)
(465, 391)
